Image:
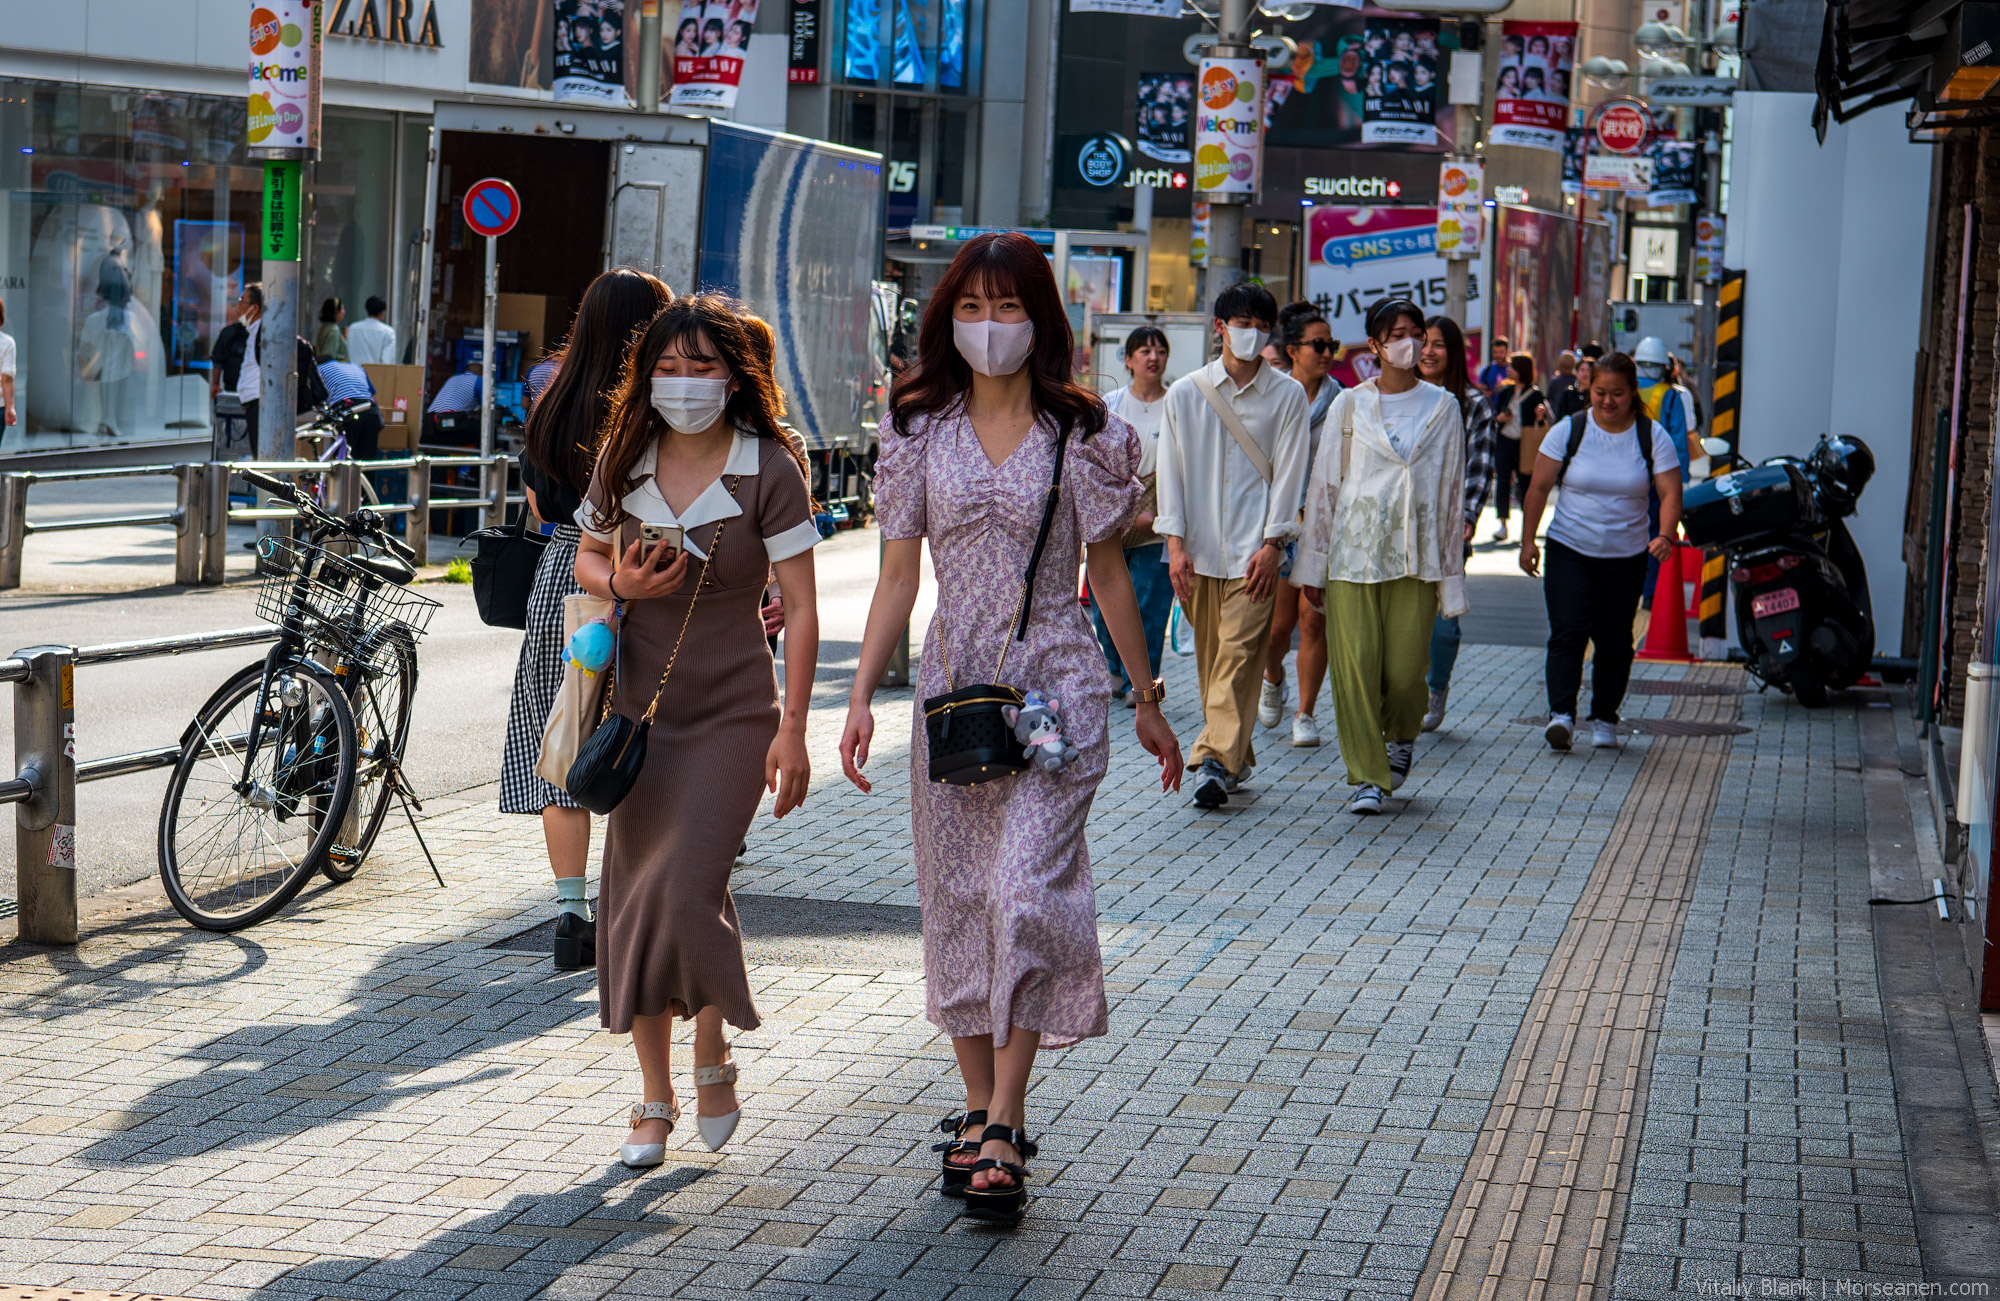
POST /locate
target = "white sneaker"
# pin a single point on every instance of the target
(1366, 800)
(1559, 731)
(1239, 780)
(1305, 731)
(1401, 755)
(1500, 534)
(1271, 703)
(1603, 735)
(1434, 715)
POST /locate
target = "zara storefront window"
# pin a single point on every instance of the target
(907, 81)
(128, 228)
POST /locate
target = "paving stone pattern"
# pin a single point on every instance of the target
(1310, 1015)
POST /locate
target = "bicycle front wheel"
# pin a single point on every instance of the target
(384, 686)
(260, 791)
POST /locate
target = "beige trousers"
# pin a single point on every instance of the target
(1231, 634)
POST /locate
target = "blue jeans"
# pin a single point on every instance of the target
(1156, 601)
(1444, 653)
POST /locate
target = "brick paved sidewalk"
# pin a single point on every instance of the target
(1311, 1015)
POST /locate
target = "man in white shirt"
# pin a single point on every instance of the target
(372, 342)
(1227, 511)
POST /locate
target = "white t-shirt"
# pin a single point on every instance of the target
(1403, 419)
(6, 353)
(1601, 505)
(250, 379)
(1144, 417)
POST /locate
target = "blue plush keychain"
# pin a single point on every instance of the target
(591, 647)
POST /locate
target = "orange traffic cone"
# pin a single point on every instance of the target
(1667, 631)
(1691, 558)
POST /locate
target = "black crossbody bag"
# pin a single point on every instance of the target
(970, 741)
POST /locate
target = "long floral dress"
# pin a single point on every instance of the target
(1003, 874)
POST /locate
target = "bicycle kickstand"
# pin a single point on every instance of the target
(400, 787)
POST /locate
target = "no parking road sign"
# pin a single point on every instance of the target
(492, 207)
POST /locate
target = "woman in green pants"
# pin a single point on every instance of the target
(1384, 535)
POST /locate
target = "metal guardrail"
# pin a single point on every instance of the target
(43, 788)
(202, 515)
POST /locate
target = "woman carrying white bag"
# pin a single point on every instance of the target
(555, 469)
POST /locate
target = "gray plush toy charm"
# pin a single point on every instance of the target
(1039, 729)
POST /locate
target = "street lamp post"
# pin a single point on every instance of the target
(1225, 212)
(649, 56)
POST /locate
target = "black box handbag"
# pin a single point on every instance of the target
(609, 761)
(969, 739)
(503, 572)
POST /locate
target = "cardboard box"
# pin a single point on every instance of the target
(529, 314)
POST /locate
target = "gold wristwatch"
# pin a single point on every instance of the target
(1152, 695)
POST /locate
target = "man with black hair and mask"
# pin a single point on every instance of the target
(1234, 447)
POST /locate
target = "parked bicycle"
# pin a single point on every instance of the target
(292, 765)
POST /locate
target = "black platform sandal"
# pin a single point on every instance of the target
(956, 1176)
(1000, 1205)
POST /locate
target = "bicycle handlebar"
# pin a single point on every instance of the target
(364, 523)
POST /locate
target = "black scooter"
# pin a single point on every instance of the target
(1803, 614)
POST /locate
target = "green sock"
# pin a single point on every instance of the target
(570, 896)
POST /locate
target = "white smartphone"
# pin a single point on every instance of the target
(667, 533)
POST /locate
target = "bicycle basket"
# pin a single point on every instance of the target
(323, 591)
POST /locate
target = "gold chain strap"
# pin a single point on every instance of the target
(714, 544)
(937, 621)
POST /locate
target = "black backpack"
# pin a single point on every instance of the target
(1643, 426)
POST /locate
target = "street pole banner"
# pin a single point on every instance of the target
(1399, 69)
(1166, 108)
(590, 51)
(1676, 172)
(1357, 255)
(1531, 98)
(284, 74)
(1228, 134)
(1618, 173)
(1137, 8)
(710, 44)
(1708, 233)
(1576, 155)
(1461, 210)
(802, 59)
(1198, 234)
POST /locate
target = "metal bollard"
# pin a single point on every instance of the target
(13, 527)
(345, 481)
(418, 531)
(45, 825)
(214, 523)
(493, 481)
(189, 479)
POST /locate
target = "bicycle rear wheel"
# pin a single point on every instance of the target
(385, 686)
(235, 847)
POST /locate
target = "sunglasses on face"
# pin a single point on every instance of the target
(1320, 346)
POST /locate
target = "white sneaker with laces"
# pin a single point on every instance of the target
(1366, 800)
(1559, 731)
(1305, 731)
(1401, 755)
(1603, 735)
(1434, 714)
(1271, 704)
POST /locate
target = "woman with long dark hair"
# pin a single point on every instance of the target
(555, 469)
(694, 449)
(1610, 462)
(1142, 404)
(979, 429)
(1443, 362)
(1309, 347)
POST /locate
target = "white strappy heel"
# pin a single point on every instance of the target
(715, 1130)
(641, 1155)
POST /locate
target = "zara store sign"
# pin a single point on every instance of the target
(393, 22)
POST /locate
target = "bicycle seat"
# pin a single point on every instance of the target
(388, 569)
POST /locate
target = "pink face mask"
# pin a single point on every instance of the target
(1400, 353)
(994, 347)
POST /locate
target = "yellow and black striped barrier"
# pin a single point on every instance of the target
(1725, 399)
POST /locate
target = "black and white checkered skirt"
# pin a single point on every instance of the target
(537, 679)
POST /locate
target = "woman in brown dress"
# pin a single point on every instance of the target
(694, 447)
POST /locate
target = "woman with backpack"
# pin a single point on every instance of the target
(1609, 463)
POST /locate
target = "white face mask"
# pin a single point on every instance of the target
(994, 347)
(1400, 353)
(1246, 341)
(689, 403)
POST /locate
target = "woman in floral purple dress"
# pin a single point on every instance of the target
(1009, 912)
